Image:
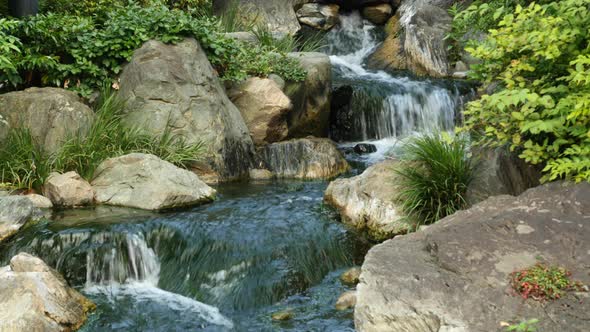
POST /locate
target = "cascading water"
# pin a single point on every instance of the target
(377, 106)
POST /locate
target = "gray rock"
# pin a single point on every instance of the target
(416, 41)
(311, 98)
(244, 36)
(39, 201)
(34, 297)
(258, 174)
(367, 201)
(318, 16)
(278, 15)
(15, 212)
(500, 172)
(346, 301)
(454, 275)
(351, 276)
(175, 87)
(50, 114)
(378, 14)
(146, 182)
(306, 158)
(68, 189)
(264, 108)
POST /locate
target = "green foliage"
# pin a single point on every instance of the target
(542, 282)
(434, 176)
(109, 137)
(236, 18)
(24, 164)
(540, 55)
(83, 52)
(22, 161)
(524, 326)
(287, 43)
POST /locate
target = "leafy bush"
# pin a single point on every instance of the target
(22, 161)
(542, 282)
(81, 52)
(524, 326)
(434, 176)
(540, 55)
(10, 48)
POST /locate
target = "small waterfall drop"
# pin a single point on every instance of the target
(378, 107)
(122, 266)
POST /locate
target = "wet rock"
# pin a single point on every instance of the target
(146, 182)
(243, 36)
(500, 172)
(364, 148)
(415, 41)
(310, 115)
(453, 276)
(36, 298)
(378, 14)
(174, 87)
(367, 201)
(264, 108)
(68, 189)
(318, 16)
(260, 174)
(305, 158)
(50, 114)
(15, 212)
(351, 276)
(283, 315)
(39, 201)
(277, 15)
(346, 301)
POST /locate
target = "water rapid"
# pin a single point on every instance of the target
(378, 107)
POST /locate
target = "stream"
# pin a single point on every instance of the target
(260, 247)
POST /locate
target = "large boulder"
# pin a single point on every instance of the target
(68, 189)
(415, 41)
(311, 98)
(454, 275)
(379, 13)
(51, 115)
(264, 108)
(277, 15)
(174, 87)
(147, 182)
(367, 201)
(318, 16)
(306, 158)
(34, 297)
(500, 172)
(15, 212)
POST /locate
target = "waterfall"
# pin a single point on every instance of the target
(375, 105)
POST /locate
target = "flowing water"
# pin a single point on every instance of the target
(380, 108)
(259, 248)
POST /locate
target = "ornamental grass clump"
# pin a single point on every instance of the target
(434, 176)
(542, 282)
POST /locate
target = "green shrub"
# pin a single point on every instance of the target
(81, 52)
(22, 161)
(24, 164)
(524, 326)
(109, 137)
(434, 175)
(540, 55)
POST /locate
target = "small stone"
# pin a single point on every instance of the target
(39, 201)
(68, 189)
(378, 14)
(318, 16)
(351, 276)
(260, 174)
(364, 148)
(346, 301)
(283, 315)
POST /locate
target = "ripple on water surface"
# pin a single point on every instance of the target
(223, 266)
